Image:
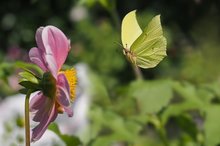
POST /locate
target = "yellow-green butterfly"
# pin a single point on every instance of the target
(143, 48)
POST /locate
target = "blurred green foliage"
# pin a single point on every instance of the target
(69, 140)
(178, 103)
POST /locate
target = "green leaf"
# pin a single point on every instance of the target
(141, 118)
(205, 95)
(69, 140)
(105, 140)
(211, 126)
(151, 96)
(118, 128)
(98, 90)
(96, 116)
(178, 109)
(214, 87)
(188, 92)
(6, 69)
(109, 5)
(53, 127)
(187, 125)
(126, 130)
(89, 3)
(191, 99)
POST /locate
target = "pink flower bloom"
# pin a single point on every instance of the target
(58, 87)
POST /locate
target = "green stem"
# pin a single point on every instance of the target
(160, 128)
(162, 135)
(137, 72)
(115, 18)
(27, 122)
(114, 15)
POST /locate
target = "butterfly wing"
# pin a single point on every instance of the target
(150, 47)
(130, 29)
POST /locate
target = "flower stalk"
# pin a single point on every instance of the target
(137, 72)
(27, 121)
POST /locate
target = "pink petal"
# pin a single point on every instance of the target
(43, 110)
(69, 111)
(45, 58)
(37, 101)
(62, 81)
(35, 55)
(63, 91)
(39, 130)
(51, 64)
(38, 38)
(55, 43)
(53, 47)
(62, 97)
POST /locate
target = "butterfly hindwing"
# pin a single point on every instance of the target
(150, 47)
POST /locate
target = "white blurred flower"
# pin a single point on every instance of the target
(78, 13)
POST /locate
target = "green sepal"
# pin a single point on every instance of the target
(31, 68)
(28, 76)
(29, 85)
(29, 81)
(48, 84)
(25, 90)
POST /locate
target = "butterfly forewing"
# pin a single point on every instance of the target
(130, 30)
(150, 47)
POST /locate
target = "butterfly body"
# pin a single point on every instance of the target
(130, 55)
(143, 48)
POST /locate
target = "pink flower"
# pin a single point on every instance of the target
(58, 87)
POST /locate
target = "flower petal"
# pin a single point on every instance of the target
(35, 55)
(43, 55)
(51, 64)
(53, 48)
(38, 38)
(40, 106)
(39, 130)
(63, 90)
(37, 101)
(69, 111)
(43, 110)
(55, 43)
(62, 97)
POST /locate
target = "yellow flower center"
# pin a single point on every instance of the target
(72, 80)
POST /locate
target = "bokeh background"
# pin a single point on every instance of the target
(177, 103)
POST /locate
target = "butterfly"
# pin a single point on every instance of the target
(143, 48)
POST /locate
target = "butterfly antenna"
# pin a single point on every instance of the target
(119, 50)
(119, 44)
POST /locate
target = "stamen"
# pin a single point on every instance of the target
(72, 80)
